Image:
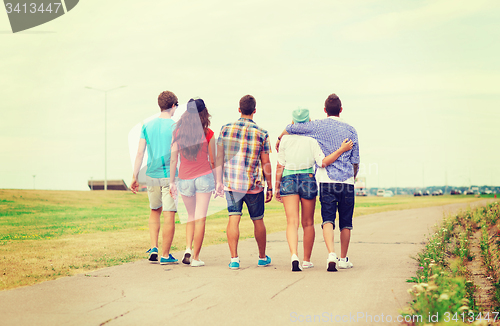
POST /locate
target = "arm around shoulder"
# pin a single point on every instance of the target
(344, 147)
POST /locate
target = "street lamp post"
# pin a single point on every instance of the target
(105, 130)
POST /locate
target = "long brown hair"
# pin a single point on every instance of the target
(189, 132)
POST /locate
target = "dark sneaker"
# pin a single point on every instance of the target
(187, 257)
(331, 263)
(296, 264)
(153, 254)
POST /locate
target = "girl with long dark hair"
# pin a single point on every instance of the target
(194, 142)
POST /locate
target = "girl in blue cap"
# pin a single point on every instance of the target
(296, 184)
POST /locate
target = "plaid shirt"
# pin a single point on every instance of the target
(330, 133)
(243, 143)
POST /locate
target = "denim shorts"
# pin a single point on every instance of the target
(302, 184)
(255, 204)
(333, 197)
(190, 187)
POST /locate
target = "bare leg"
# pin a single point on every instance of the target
(190, 203)
(259, 231)
(328, 236)
(345, 238)
(154, 226)
(202, 201)
(291, 205)
(308, 206)
(168, 232)
(233, 234)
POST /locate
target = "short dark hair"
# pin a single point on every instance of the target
(333, 105)
(247, 104)
(166, 100)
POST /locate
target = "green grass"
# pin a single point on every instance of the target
(60, 233)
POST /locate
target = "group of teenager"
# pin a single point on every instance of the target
(184, 158)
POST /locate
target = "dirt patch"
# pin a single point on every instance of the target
(480, 276)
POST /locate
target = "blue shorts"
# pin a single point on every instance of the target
(302, 184)
(190, 187)
(333, 197)
(255, 204)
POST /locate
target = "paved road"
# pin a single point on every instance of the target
(142, 293)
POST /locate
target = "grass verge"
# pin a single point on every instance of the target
(457, 279)
(45, 235)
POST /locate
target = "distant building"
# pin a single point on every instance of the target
(112, 185)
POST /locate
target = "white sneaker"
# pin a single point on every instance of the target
(197, 263)
(344, 264)
(187, 257)
(307, 264)
(331, 262)
(296, 264)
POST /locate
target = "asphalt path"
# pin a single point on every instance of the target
(143, 293)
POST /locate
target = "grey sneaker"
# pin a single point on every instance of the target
(345, 264)
(197, 263)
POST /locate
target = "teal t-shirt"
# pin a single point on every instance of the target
(158, 135)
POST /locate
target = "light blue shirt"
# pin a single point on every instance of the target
(330, 133)
(158, 135)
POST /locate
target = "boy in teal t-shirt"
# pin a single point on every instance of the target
(156, 136)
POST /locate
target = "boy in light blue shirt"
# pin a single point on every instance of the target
(156, 136)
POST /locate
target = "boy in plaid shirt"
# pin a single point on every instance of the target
(243, 150)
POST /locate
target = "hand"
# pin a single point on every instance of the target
(278, 145)
(173, 190)
(219, 190)
(346, 145)
(134, 186)
(269, 195)
(278, 196)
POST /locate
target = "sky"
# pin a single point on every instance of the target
(417, 79)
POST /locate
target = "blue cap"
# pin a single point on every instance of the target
(300, 115)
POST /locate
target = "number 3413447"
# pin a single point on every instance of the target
(32, 8)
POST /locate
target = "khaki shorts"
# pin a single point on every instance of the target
(159, 194)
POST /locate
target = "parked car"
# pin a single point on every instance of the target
(435, 193)
(388, 193)
(455, 192)
(468, 192)
(426, 193)
(417, 193)
(361, 193)
(380, 192)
